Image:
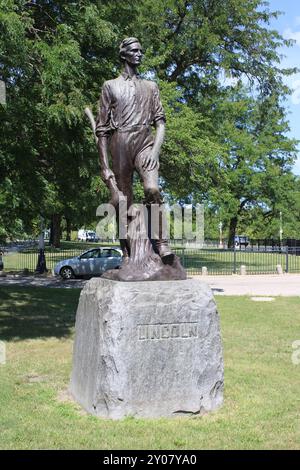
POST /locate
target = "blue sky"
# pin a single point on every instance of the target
(288, 25)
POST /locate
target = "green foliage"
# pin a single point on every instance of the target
(192, 41)
(226, 144)
(256, 164)
(45, 51)
(189, 154)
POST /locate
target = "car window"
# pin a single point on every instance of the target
(115, 253)
(105, 253)
(90, 254)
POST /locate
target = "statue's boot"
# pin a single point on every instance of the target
(164, 251)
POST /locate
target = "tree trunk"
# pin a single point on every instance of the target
(68, 229)
(232, 231)
(143, 264)
(55, 232)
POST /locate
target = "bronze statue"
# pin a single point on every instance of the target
(129, 107)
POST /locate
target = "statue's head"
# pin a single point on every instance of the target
(131, 51)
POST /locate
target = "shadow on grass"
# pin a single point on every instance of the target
(36, 312)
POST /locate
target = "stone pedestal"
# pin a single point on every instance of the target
(147, 349)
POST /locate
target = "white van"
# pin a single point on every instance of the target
(87, 236)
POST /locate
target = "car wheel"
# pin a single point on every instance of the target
(67, 273)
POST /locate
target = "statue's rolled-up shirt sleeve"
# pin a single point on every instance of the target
(103, 125)
(158, 111)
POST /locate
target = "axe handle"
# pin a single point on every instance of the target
(90, 115)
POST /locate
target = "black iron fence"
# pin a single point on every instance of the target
(253, 260)
(235, 261)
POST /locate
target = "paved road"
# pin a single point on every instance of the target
(268, 285)
(284, 285)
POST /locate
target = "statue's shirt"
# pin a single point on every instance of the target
(128, 103)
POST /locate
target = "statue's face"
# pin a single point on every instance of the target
(133, 54)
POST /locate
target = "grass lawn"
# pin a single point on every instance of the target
(217, 261)
(262, 387)
(27, 259)
(222, 262)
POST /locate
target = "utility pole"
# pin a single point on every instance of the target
(221, 235)
(280, 229)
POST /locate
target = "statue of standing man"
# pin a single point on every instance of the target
(129, 107)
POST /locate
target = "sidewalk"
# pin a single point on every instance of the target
(265, 285)
(268, 284)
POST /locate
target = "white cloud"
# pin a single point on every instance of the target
(295, 96)
(289, 34)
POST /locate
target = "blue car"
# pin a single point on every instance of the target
(91, 263)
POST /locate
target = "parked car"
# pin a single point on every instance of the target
(91, 263)
(241, 240)
(87, 236)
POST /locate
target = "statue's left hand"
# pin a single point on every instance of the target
(150, 162)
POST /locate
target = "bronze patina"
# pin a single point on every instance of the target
(129, 108)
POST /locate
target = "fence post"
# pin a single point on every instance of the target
(243, 270)
(183, 258)
(286, 259)
(234, 258)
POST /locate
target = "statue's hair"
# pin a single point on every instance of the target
(125, 43)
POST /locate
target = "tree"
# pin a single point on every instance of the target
(192, 41)
(54, 57)
(197, 43)
(48, 161)
(257, 156)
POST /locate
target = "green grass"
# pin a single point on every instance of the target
(222, 262)
(261, 403)
(217, 261)
(28, 259)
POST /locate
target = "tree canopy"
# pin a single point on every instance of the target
(218, 67)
